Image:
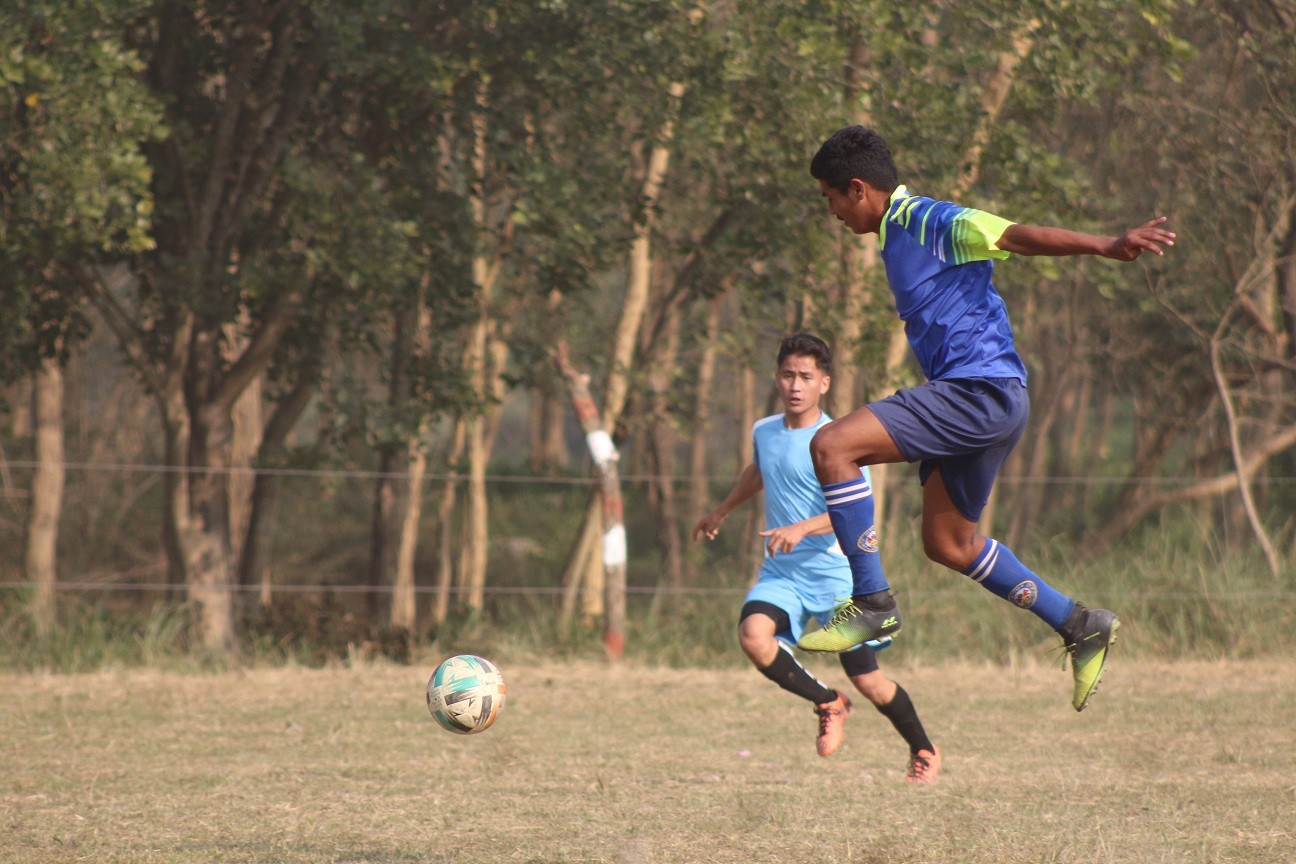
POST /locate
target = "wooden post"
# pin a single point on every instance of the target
(606, 457)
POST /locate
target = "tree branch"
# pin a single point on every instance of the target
(260, 350)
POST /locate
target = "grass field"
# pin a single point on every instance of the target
(1172, 763)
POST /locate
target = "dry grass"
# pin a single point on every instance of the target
(1172, 763)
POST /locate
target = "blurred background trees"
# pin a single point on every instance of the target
(305, 268)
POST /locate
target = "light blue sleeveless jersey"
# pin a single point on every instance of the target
(792, 493)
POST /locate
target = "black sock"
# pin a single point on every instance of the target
(787, 673)
(904, 717)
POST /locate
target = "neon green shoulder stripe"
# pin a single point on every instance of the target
(976, 236)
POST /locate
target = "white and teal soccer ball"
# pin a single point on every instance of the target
(465, 694)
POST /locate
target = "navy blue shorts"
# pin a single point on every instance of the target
(966, 427)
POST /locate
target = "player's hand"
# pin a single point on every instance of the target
(709, 525)
(1148, 237)
(782, 539)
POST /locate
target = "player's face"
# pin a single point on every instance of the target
(860, 207)
(801, 384)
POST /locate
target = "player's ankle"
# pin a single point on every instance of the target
(1074, 621)
(881, 601)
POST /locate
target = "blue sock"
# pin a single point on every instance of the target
(999, 572)
(850, 507)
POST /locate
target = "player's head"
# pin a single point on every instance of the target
(806, 344)
(857, 175)
(804, 375)
(855, 153)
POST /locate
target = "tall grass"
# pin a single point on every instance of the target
(92, 637)
(1178, 595)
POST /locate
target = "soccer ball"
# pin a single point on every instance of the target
(465, 694)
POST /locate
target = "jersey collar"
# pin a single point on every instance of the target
(899, 194)
(823, 418)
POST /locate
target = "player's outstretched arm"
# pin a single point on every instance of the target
(1151, 236)
(749, 483)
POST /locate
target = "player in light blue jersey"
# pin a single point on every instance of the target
(963, 422)
(804, 574)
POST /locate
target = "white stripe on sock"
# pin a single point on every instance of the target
(838, 502)
(987, 563)
(848, 493)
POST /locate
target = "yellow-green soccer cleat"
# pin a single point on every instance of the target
(851, 625)
(1088, 651)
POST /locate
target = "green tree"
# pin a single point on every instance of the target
(262, 217)
(74, 195)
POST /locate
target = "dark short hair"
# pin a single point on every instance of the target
(855, 152)
(805, 344)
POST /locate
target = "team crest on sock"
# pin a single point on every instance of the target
(868, 541)
(1023, 594)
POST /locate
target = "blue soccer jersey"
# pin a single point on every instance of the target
(938, 259)
(809, 581)
(792, 491)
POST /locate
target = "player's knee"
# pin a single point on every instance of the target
(760, 647)
(822, 446)
(875, 687)
(945, 551)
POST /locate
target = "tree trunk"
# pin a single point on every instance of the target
(475, 536)
(403, 600)
(858, 254)
(594, 590)
(605, 457)
(46, 493)
(216, 178)
(208, 562)
(398, 496)
(992, 101)
(254, 564)
(1240, 467)
(483, 375)
(547, 438)
(20, 416)
(598, 428)
(639, 275)
(699, 481)
(196, 390)
(389, 490)
(445, 534)
(662, 444)
(748, 548)
(578, 560)
(404, 603)
(481, 429)
(247, 425)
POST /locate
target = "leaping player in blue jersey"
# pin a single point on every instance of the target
(962, 423)
(804, 573)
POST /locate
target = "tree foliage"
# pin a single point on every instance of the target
(284, 192)
(74, 180)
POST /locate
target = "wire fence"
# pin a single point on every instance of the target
(552, 480)
(641, 590)
(110, 538)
